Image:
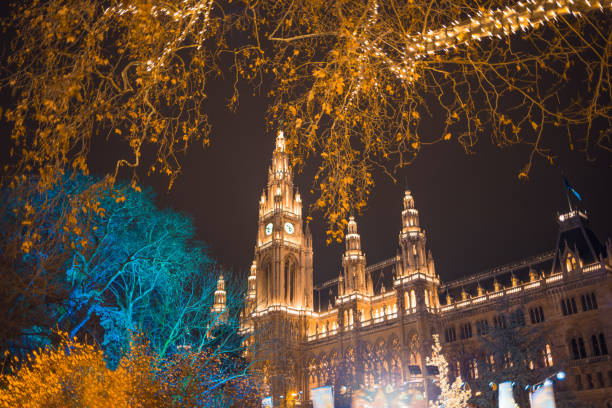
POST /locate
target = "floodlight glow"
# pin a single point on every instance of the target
(561, 375)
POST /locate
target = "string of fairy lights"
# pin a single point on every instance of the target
(190, 14)
(524, 15)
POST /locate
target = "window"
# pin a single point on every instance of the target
(517, 318)
(581, 348)
(570, 263)
(466, 331)
(499, 321)
(548, 359)
(568, 306)
(449, 334)
(491, 363)
(589, 380)
(602, 344)
(600, 380)
(482, 327)
(289, 279)
(473, 369)
(578, 381)
(507, 363)
(536, 314)
(577, 347)
(589, 301)
(595, 342)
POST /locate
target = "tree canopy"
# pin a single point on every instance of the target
(124, 267)
(352, 82)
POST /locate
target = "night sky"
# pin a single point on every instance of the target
(476, 212)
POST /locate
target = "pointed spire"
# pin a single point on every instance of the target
(219, 304)
(532, 275)
(220, 293)
(280, 141)
(496, 285)
(252, 280)
(280, 194)
(353, 261)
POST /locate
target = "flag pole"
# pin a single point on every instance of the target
(566, 188)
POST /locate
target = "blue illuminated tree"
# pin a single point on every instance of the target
(123, 266)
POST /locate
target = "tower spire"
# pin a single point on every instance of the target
(412, 240)
(283, 253)
(353, 261)
(219, 305)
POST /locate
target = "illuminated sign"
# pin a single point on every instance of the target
(506, 398)
(411, 396)
(322, 397)
(543, 397)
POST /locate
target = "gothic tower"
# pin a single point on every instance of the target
(283, 255)
(416, 265)
(282, 276)
(354, 277)
(417, 284)
(219, 306)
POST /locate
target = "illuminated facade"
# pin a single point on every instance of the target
(374, 323)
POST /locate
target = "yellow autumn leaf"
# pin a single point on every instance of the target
(319, 73)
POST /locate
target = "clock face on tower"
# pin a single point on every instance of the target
(269, 229)
(289, 228)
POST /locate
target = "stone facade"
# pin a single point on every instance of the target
(374, 323)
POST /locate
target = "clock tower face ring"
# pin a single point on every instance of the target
(289, 228)
(269, 228)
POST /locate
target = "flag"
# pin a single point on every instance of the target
(571, 189)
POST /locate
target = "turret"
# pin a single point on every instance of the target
(416, 273)
(354, 262)
(412, 241)
(219, 305)
(252, 282)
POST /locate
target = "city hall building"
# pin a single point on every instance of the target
(373, 325)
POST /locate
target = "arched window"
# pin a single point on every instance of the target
(602, 344)
(570, 262)
(577, 347)
(548, 358)
(265, 282)
(473, 369)
(517, 318)
(595, 342)
(491, 363)
(414, 350)
(574, 347)
(412, 299)
(289, 279)
(581, 348)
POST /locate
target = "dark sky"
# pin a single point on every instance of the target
(477, 213)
